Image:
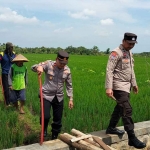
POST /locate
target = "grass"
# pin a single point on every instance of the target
(92, 108)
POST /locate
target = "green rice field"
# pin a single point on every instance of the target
(92, 109)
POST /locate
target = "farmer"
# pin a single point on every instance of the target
(6, 58)
(56, 74)
(120, 79)
(17, 80)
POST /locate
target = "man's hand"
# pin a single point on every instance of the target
(39, 70)
(70, 104)
(135, 89)
(10, 87)
(109, 93)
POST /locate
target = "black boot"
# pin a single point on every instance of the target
(111, 130)
(45, 127)
(133, 141)
(54, 135)
(45, 132)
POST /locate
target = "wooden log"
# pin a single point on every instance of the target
(90, 140)
(79, 133)
(101, 143)
(81, 138)
(92, 147)
(67, 139)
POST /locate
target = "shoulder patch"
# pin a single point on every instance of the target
(1, 53)
(66, 71)
(43, 63)
(113, 55)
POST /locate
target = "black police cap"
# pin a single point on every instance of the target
(130, 37)
(63, 56)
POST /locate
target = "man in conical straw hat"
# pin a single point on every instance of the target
(20, 58)
(17, 81)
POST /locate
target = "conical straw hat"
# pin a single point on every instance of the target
(20, 57)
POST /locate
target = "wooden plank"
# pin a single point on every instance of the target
(81, 138)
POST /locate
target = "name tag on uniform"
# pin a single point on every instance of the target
(125, 60)
(51, 77)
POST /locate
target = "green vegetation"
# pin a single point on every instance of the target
(92, 108)
(50, 50)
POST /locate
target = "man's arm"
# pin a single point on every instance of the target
(39, 68)
(69, 90)
(26, 77)
(10, 75)
(112, 62)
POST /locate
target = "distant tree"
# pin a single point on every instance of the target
(82, 50)
(95, 50)
(71, 50)
(107, 51)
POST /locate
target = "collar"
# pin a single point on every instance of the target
(122, 48)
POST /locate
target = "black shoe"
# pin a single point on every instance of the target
(111, 130)
(45, 133)
(136, 143)
(54, 136)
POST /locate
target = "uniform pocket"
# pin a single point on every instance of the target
(125, 63)
(64, 77)
(51, 75)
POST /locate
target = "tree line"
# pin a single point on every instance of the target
(50, 50)
(70, 49)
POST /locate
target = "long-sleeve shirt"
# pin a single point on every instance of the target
(6, 63)
(120, 73)
(54, 80)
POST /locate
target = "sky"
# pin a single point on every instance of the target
(63, 23)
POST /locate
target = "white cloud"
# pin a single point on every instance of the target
(103, 33)
(43, 22)
(107, 21)
(83, 14)
(89, 12)
(60, 30)
(7, 15)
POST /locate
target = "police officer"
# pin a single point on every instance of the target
(120, 79)
(6, 61)
(56, 74)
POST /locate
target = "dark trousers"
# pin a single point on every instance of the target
(123, 109)
(57, 108)
(6, 88)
